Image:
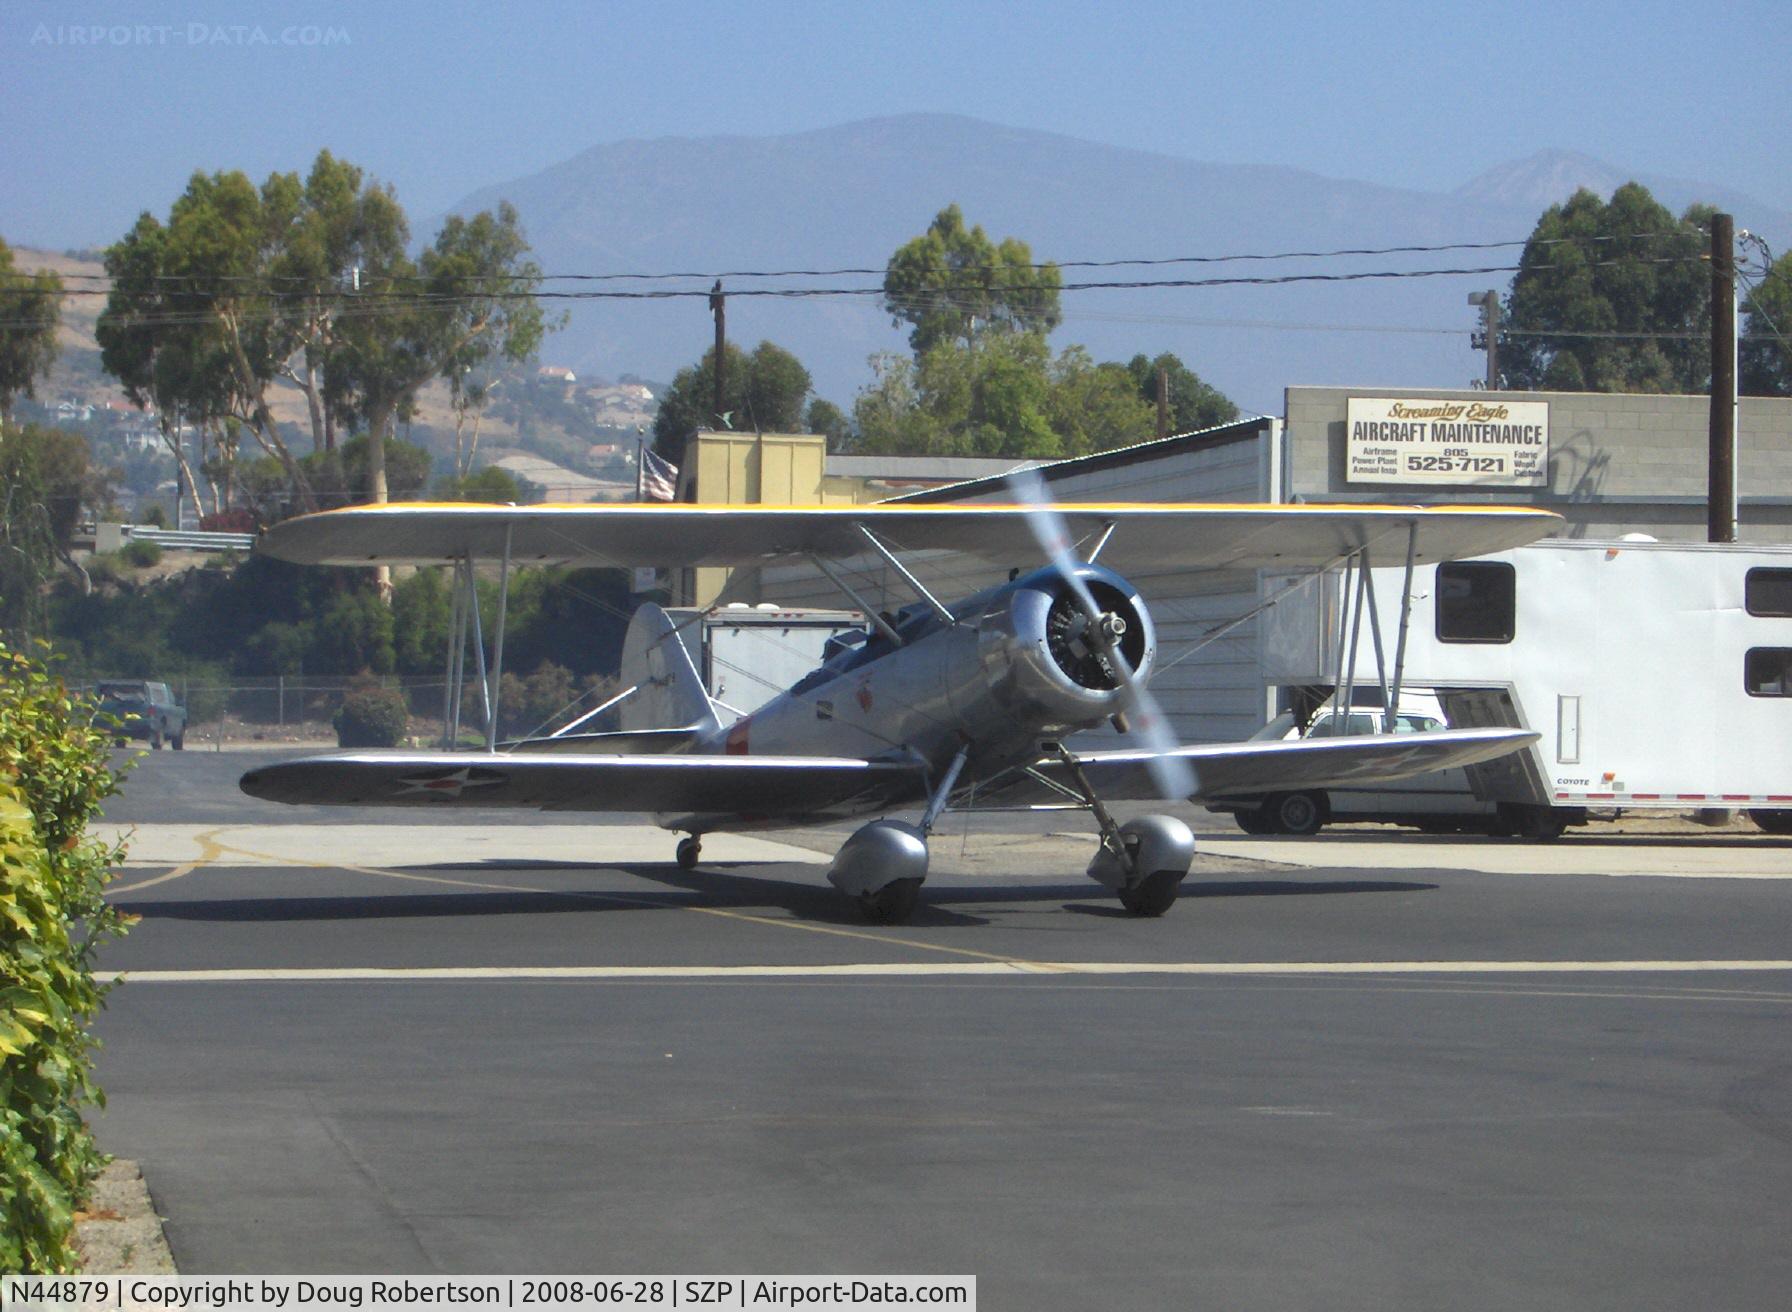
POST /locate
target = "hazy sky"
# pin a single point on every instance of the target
(106, 108)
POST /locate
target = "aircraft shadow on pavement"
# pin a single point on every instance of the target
(718, 888)
(376, 906)
(1195, 888)
(731, 886)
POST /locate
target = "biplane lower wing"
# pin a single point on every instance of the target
(1229, 769)
(759, 786)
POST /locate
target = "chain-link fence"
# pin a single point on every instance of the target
(297, 708)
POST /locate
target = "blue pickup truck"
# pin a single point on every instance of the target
(139, 708)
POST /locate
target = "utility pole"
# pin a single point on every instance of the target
(718, 304)
(1720, 522)
(1163, 403)
(1488, 339)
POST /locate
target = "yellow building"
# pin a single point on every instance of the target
(795, 469)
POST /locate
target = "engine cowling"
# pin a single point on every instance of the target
(1040, 658)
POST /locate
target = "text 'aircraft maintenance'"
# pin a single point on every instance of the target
(967, 703)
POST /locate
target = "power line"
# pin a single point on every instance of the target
(374, 303)
(311, 284)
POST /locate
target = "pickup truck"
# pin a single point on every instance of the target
(141, 709)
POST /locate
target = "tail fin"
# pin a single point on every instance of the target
(655, 659)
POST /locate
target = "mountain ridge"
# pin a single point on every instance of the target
(848, 195)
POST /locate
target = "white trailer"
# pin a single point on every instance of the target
(1658, 674)
(749, 654)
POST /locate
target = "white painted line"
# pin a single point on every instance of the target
(1614, 856)
(409, 845)
(941, 968)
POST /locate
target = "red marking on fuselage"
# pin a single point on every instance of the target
(736, 742)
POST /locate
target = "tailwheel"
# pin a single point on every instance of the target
(689, 851)
(1154, 894)
(892, 904)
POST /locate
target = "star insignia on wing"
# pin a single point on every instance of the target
(448, 784)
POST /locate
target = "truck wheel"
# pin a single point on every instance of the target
(1771, 821)
(1530, 820)
(1296, 813)
(155, 738)
(179, 741)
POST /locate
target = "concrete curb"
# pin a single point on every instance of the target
(119, 1233)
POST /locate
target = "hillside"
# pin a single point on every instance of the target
(553, 431)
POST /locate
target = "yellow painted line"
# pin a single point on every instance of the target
(624, 899)
(935, 969)
(209, 851)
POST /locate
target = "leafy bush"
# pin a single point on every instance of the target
(54, 773)
(141, 555)
(527, 704)
(371, 716)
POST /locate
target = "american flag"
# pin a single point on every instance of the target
(659, 478)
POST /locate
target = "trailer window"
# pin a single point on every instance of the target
(1767, 672)
(1477, 601)
(1768, 591)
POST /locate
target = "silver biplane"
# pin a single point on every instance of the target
(941, 704)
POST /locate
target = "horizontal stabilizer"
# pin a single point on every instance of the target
(630, 742)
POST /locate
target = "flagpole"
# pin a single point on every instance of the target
(640, 465)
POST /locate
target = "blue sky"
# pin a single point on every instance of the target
(107, 108)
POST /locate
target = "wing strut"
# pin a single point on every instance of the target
(464, 611)
(1412, 542)
(871, 614)
(457, 651)
(913, 582)
(497, 683)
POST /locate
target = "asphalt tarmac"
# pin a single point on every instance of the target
(478, 1042)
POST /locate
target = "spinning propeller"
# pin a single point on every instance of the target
(1102, 633)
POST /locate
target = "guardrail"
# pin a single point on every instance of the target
(110, 537)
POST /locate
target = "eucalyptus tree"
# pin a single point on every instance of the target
(469, 299)
(953, 284)
(30, 306)
(1611, 296)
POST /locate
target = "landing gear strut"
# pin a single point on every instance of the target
(883, 863)
(689, 851)
(1143, 860)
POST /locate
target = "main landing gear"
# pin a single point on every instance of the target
(883, 864)
(1144, 860)
(689, 851)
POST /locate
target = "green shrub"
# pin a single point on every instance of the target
(105, 567)
(54, 773)
(141, 554)
(371, 716)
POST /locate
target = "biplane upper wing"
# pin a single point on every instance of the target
(695, 785)
(1225, 769)
(1149, 538)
